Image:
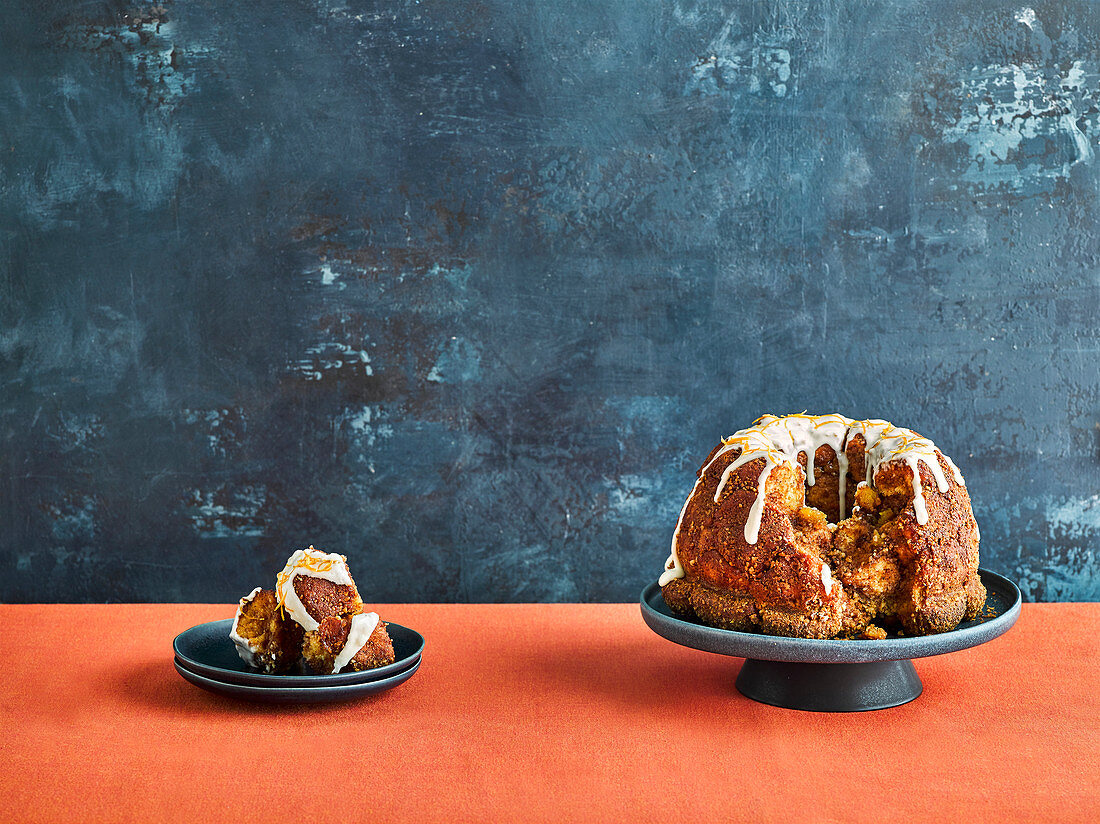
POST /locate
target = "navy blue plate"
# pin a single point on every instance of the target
(207, 651)
(297, 695)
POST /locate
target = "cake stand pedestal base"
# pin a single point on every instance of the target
(829, 687)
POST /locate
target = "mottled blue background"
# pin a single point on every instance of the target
(467, 290)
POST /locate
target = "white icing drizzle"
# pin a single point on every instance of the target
(362, 626)
(245, 648)
(673, 570)
(314, 564)
(886, 442)
(781, 440)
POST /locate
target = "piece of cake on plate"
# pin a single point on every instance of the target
(314, 620)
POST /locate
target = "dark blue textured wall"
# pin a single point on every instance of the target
(467, 290)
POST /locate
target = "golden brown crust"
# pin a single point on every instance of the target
(886, 567)
(321, 647)
(377, 652)
(824, 494)
(322, 598)
(276, 637)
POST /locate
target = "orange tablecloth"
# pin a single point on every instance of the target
(537, 713)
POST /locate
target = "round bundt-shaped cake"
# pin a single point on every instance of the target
(819, 526)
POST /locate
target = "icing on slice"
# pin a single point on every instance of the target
(362, 626)
(314, 564)
(248, 651)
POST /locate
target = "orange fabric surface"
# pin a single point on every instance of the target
(537, 713)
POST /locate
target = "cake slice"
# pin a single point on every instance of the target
(314, 617)
(352, 644)
(264, 637)
(315, 585)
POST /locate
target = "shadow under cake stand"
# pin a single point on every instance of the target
(834, 675)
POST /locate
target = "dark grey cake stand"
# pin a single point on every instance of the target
(834, 676)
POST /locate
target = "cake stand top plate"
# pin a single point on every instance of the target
(1002, 607)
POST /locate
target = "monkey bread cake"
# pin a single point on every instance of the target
(822, 527)
(314, 620)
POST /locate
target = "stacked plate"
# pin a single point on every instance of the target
(208, 659)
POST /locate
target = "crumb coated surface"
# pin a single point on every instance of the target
(321, 647)
(323, 598)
